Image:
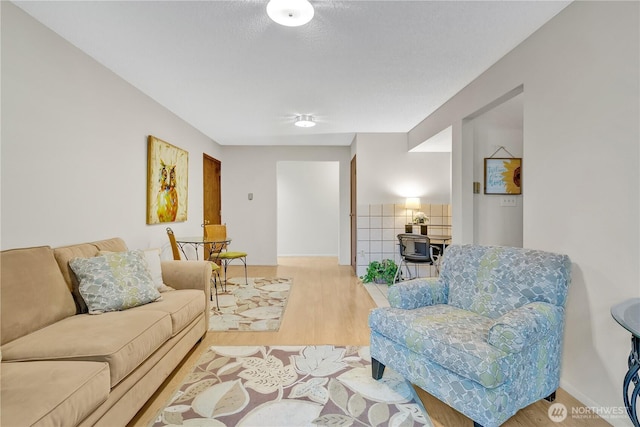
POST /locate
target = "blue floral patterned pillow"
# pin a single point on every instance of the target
(114, 281)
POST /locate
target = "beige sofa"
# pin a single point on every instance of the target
(61, 368)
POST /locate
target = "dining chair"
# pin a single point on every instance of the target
(215, 268)
(219, 232)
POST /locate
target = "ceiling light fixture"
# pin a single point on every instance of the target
(290, 13)
(304, 121)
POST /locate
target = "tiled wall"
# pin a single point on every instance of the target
(379, 225)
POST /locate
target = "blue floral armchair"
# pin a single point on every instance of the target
(485, 337)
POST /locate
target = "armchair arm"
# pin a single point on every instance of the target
(419, 292)
(514, 330)
(188, 275)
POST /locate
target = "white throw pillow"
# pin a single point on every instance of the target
(153, 259)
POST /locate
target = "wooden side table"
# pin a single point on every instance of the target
(627, 314)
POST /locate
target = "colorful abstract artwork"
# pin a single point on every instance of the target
(167, 182)
(502, 175)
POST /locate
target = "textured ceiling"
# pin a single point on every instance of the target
(358, 66)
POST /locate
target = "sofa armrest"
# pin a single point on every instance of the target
(187, 275)
(417, 293)
(514, 330)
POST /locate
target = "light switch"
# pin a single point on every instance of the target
(250, 196)
(509, 201)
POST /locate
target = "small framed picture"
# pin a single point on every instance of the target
(503, 175)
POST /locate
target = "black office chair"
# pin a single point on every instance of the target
(416, 249)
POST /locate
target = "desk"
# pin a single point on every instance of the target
(627, 314)
(197, 241)
(442, 238)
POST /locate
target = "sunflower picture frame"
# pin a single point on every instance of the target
(503, 175)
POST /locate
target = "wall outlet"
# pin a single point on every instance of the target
(509, 201)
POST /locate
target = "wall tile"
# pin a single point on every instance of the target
(375, 234)
(388, 222)
(363, 222)
(375, 246)
(389, 235)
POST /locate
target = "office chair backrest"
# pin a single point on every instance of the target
(415, 247)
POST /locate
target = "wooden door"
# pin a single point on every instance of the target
(353, 216)
(212, 204)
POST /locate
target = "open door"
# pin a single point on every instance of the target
(212, 205)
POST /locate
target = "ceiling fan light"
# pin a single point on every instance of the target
(290, 13)
(304, 121)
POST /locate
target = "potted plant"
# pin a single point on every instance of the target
(380, 272)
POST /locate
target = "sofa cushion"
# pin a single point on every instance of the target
(34, 294)
(123, 339)
(63, 256)
(183, 306)
(453, 338)
(114, 281)
(115, 244)
(52, 393)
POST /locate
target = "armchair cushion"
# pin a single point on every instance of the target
(525, 325)
(453, 338)
(418, 293)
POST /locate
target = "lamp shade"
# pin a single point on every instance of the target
(412, 203)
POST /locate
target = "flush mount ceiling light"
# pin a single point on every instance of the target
(290, 13)
(304, 121)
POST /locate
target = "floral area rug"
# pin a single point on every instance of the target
(258, 306)
(291, 386)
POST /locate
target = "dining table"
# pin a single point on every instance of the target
(216, 245)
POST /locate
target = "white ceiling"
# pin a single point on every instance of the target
(238, 77)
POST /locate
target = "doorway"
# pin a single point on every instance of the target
(497, 219)
(212, 205)
(308, 208)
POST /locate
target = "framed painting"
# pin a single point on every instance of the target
(167, 182)
(502, 175)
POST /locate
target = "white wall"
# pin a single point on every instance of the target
(580, 173)
(308, 208)
(74, 145)
(252, 224)
(388, 173)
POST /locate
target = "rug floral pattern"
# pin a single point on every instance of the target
(256, 306)
(291, 386)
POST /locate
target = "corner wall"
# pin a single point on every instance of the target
(74, 145)
(582, 187)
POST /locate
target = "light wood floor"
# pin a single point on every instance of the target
(328, 305)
